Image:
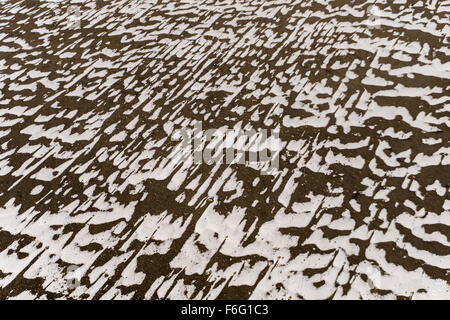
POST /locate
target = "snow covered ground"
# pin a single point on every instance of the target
(109, 189)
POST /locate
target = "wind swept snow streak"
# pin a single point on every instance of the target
(96, 204)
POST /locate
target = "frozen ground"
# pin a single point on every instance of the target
(96, 204)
